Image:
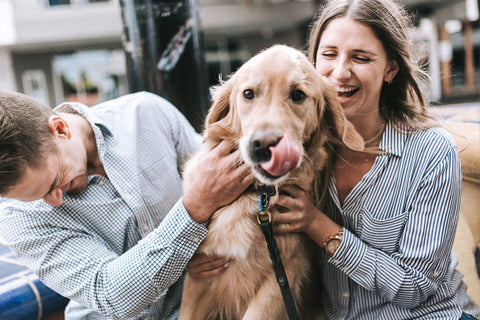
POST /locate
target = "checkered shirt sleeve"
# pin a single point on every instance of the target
(119, 248)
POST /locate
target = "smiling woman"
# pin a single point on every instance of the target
(389, 218)
(354, 60)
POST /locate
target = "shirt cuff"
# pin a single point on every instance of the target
(350, 257)
(342, 258)
(180, 231)
(361, 262)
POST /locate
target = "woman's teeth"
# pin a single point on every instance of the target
(346, 91)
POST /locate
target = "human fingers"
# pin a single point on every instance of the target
(200, 258)
(292, 190)
(290, 221)
(287, 227)
(208, 273)
(232, 159)
(245, 174)
(290, 202)
(203, 265)
(207, 261)
(224, 148)
(236, 177)
(295, 210)
(215, 182)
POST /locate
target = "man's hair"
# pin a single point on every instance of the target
(25, 139)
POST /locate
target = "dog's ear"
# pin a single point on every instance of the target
(340, 130)
(221, 122)
(221, 103)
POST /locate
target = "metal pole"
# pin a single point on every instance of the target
(164, 52)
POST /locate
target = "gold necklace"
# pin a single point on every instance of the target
(365, 160)
(375, 137)
(350, 164)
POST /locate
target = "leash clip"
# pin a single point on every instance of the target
(264, 217)
(265, 193)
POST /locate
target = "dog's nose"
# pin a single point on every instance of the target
(260, 142)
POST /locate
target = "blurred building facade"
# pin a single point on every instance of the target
(73, 50)
(448, 41)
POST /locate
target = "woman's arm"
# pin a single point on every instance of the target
(412, 272)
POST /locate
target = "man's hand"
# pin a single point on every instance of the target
(203, 266)
(220, 177)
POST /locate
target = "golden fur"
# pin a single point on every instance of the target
(247, 289)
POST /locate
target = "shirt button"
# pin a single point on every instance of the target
(145, 227)
(195, 239)
(436, 274)
(346, 295)
(101, 182)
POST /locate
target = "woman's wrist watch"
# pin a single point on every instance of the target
(332, 243)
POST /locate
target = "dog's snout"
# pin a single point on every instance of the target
(260, 142)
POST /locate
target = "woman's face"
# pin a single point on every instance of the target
(354, 60)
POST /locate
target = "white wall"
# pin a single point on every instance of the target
(37, 23)
(7, 77)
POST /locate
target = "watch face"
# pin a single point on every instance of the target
(332, 246)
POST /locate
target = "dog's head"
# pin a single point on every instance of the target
(280, 111)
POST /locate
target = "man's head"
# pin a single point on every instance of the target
(43, 155)
(25, 138)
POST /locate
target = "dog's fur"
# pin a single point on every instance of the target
(288, 97)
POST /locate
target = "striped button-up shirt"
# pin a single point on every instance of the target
(117, 248)
(395, 261)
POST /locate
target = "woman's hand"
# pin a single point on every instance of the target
(203, 266)
(297, 211)
(299, 214)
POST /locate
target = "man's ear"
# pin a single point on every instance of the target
(58, 126)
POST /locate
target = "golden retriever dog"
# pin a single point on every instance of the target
(279, 112)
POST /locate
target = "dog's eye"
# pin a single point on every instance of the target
(298, 96)
(248, 94)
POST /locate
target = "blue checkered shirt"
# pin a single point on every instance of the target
(118, 248)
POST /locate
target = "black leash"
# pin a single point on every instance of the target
(265, 219)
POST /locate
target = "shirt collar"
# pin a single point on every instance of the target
(99, 127)
(91, 117)
(393, 140)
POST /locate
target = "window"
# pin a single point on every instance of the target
(455, 30)
(89, 77)
(476, 50)
(224, 57)
(58, 2)
(52, 3)
(35, 85)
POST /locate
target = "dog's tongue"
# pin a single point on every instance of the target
(285, 157)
